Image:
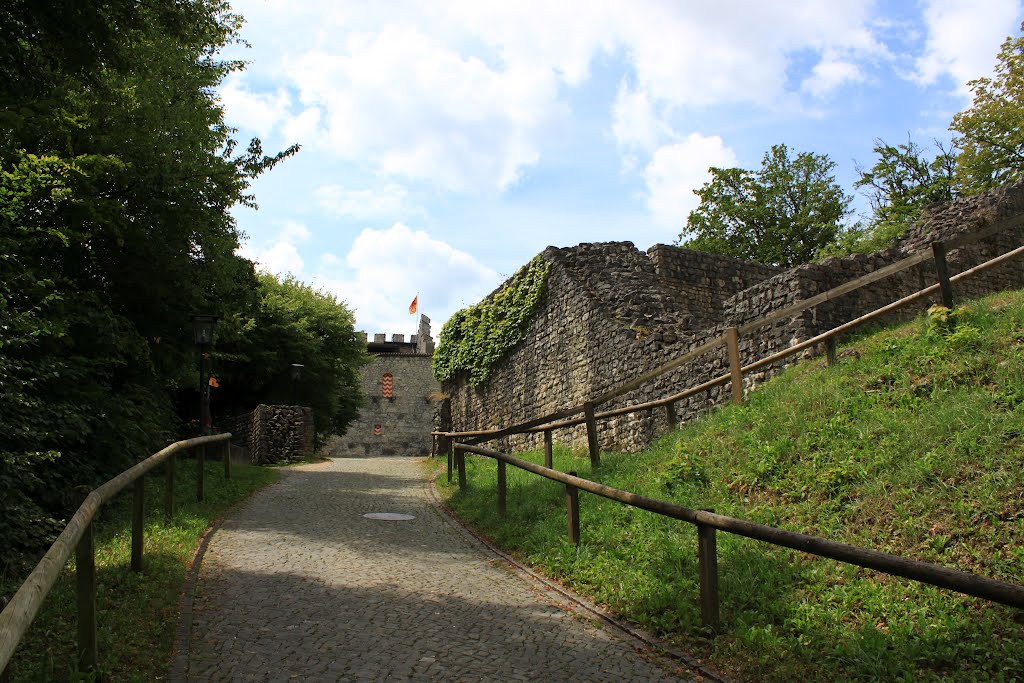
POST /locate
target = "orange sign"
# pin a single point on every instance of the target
(376, 430)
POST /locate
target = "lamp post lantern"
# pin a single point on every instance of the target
(296, 375)
(202, 332)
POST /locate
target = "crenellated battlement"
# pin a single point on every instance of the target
(419, 344)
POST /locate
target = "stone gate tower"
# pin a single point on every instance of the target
(401, 393)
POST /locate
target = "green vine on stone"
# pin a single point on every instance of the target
(476, 338)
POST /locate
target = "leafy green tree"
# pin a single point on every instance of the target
(292, 322)
(991, 130)
(779, 215)
(900, 183)
(117, 173)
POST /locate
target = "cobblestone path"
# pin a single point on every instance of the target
(298, 586)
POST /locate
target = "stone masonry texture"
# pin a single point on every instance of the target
(274, 434)
(398, 424)
(612, 312)
(298, 586)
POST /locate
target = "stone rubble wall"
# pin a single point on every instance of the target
(703, 282)
(274, 434)
(611, 312)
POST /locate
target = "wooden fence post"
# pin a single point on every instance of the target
(732, 340)
(227, 458)
(942, 272)
(5, 673)
(595, 453)
(572, 507)
(460, 457)
(85, 584)
(548, 450)
(169, 487)
(830, 351)
(502, 485)
(201, 473)
(670, 415)
(451, 446)
(707, 558)
(138, 522)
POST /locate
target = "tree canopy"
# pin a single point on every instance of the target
(292, 322)
(902, 181)
(117, 174)
(991, 131)
(779, 215)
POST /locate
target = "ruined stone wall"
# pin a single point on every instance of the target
(404, 420)
(611, 313)
(703, 282)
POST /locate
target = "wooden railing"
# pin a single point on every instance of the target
(706, 521)
(78, 537)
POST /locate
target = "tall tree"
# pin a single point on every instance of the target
(117, 173)
(991, 130)
(902, 181)
(291, 322)
(779, 215)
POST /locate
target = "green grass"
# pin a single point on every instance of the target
(913, 446)
(137, 614)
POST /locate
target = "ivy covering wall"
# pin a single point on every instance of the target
(476, 338)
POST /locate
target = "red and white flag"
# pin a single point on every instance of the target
(414, 304)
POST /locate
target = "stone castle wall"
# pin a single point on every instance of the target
(611, 312)
(703, 282)
(404, 419)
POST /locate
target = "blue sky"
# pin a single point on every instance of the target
(444, 144)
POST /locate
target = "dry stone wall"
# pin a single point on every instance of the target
(274, 434)
(703, 282)
(611, 312)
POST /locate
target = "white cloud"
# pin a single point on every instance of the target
(416, 107)
(828, 75)
(304, 127)
(464, 94)
(389, 201)
(259, 111)
(676, 170)
(280, 255)
(963, 37)
(387, 268)
(294, 231)
(635, 123)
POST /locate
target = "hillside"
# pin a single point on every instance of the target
(912, 444)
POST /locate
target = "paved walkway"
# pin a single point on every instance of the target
(299, 586)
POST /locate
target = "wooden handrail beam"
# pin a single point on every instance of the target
(935, 575)
(19, 613)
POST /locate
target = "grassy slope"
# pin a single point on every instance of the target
(137, 613)
(914, 447)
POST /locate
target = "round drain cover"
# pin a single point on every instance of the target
(390, 516)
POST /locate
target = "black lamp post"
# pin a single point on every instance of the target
(296, 374)
(202, 331)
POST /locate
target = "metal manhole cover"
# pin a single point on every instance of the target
(390, 516)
